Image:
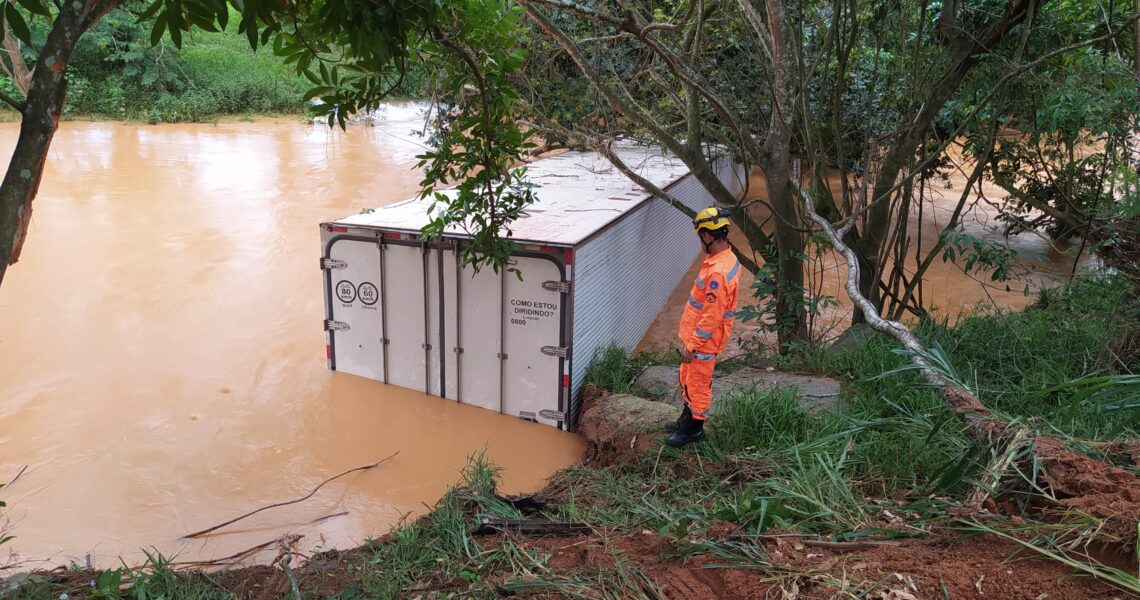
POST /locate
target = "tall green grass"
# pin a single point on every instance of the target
(894, 440)
(1011, 359)
(613, 369)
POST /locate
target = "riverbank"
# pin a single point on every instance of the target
(880, 499)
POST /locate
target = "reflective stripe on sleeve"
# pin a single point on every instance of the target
(735, 269)
(704, 335)
(700, 356)
(730, 314)
(700, 282)
(697, 305)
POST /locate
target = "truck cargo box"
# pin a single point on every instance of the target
(598, 256)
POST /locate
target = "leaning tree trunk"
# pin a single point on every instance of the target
(40, 117)
(1072, 483)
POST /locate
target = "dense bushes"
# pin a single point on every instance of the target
(116, 73)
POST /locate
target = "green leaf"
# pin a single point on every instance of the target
(35, 7)
(251, 31)
(17, 23)
(157, 31)
(174, 24)
(150, 11)
(317, 91)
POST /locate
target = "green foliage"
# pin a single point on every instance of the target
(767, 289)
(894, 446)
(156, 579)
(107, 584)
(611, 369)
(477, 141)
(1011, 359)
(117, 73)
(979, 255)
(353, 56)
(1067, 123)
(440, 544)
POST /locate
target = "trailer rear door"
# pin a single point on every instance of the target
(409, 340)
(355, 318)
(534, 342)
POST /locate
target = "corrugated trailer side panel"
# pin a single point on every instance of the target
(624, 275)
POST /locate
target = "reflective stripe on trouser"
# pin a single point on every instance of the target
(696, 384)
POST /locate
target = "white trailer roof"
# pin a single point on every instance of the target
(579, 193)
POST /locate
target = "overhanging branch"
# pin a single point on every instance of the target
(16, 104)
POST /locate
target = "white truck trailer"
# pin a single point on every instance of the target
(598, 256)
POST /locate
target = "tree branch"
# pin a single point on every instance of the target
(16, 104)
(960, 400)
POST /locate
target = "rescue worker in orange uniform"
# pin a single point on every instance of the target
(705, 325)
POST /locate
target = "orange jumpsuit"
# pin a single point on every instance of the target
(706, 325)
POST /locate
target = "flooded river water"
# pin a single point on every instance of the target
(162, 361)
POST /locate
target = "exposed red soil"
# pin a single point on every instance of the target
(980, 567)
(944, 566)
(615, 436)
(1094, 488)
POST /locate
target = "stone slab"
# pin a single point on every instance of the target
(662, 383)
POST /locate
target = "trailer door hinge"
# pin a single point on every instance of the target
(331, 325)
(558, 351)
(332, 263)
(557, 286)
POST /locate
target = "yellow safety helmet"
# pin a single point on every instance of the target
(711, 218)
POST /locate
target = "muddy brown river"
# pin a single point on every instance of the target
(162, 363)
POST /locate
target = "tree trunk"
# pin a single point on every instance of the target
(1103, 491)
(1136, 38)
(791, 320)
(879, 217)
(40, 118)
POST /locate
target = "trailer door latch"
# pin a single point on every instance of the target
(331, 325)
(558, 351)
(332, 263)
(557, 286)
(553, 415)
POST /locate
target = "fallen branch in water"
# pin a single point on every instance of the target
(327, 517)
(9, 484)
(237, 556)
(280, 504)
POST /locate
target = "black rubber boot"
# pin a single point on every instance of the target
(691, 430)
(672, 426)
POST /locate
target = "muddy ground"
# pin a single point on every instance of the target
(940, 566)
